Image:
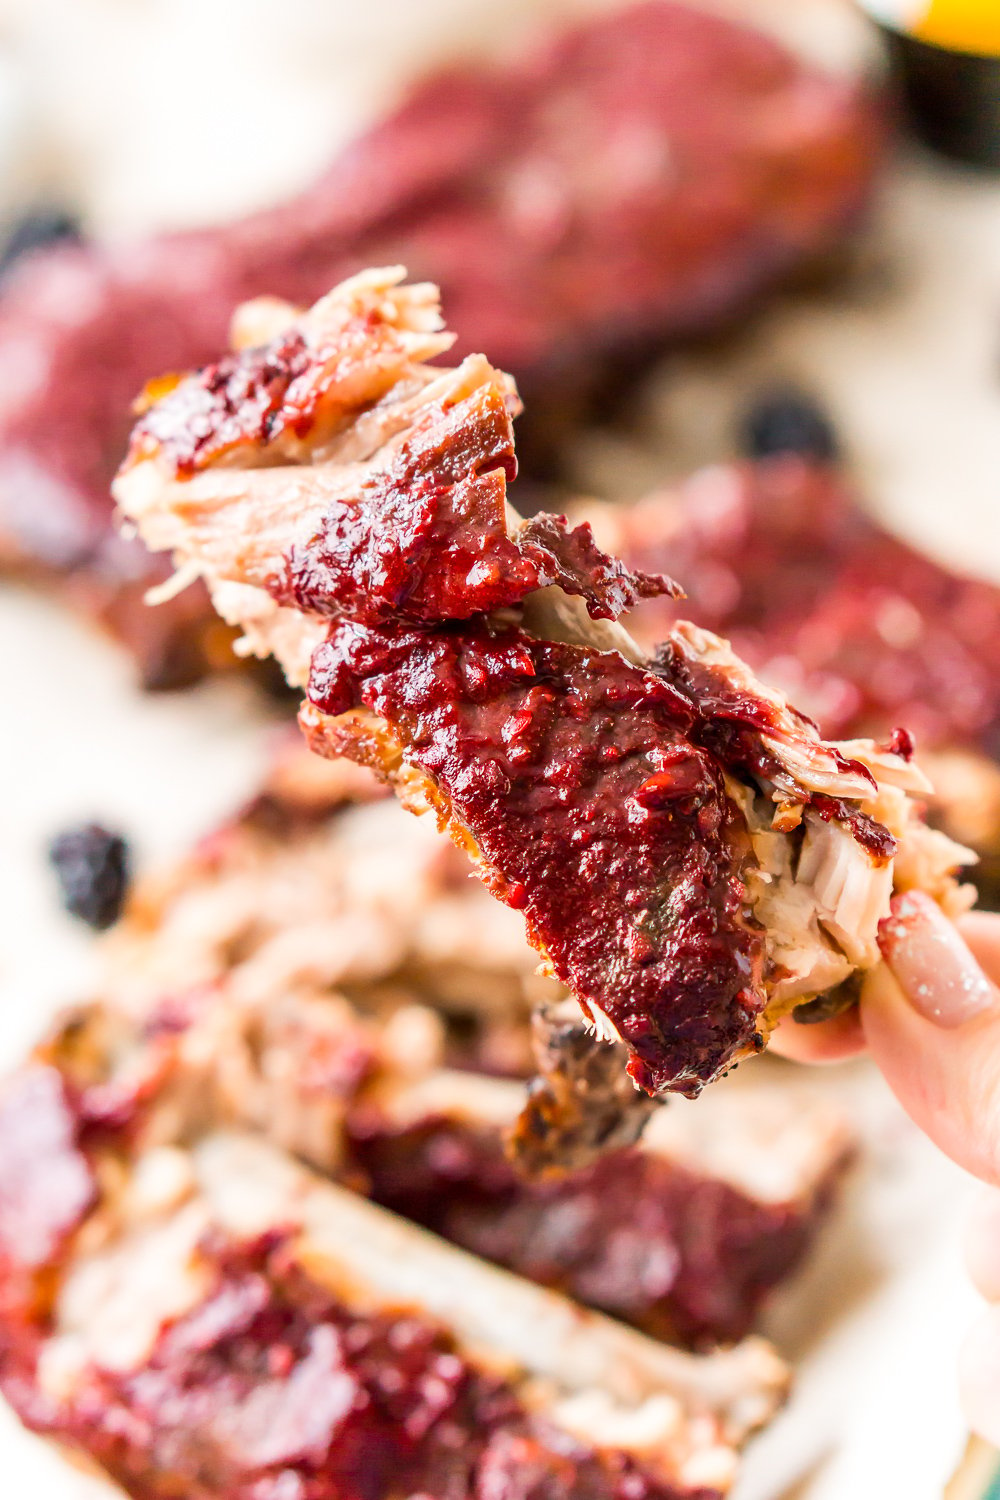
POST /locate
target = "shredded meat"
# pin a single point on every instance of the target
(322, 889)
(593, 813)
(690, 857)
(321, 886)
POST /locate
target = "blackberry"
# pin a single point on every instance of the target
(92, 865)
(787, 421)
(35, 230)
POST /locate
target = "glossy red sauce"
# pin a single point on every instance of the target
(271, 1389)
(427, 539)
(242, 399)
(860, 629)
(572, 560)
(596, 815)
(293, 388)
(683, 1257)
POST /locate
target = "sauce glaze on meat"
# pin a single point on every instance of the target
(685, 1257)
(269, 1388)
(596, 816)
(692, 860)
(865, 631)
(267, 1383)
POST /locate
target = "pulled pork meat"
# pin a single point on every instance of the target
(641, 176)
(691, 859)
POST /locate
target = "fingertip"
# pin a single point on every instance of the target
(881, 999)
(979, 1376)
(946, 1078)
(826, 1042)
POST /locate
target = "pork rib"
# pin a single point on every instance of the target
(683, 1238)
(206, 1316)
(691, 859)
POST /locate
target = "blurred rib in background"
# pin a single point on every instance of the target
(639, 177)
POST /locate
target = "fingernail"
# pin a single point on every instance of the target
(931, 964)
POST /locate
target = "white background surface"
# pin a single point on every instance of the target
(167, 111)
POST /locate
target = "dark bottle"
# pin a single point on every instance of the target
(946, 57)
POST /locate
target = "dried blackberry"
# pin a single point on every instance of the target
(787, 421)
(36, 230)
(93, 869)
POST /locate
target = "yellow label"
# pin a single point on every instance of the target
(962, 25)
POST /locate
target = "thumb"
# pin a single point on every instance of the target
(931, 1018)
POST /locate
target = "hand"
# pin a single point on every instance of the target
(930, 1015)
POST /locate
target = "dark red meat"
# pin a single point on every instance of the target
(590, 788)
(270, 1389)
(683, 1257)
(597, 815)
(241, 399)
(731, 723)
(861, 629)
(677, 1253)
(637, 177)
(427, 540)
(641, 177)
